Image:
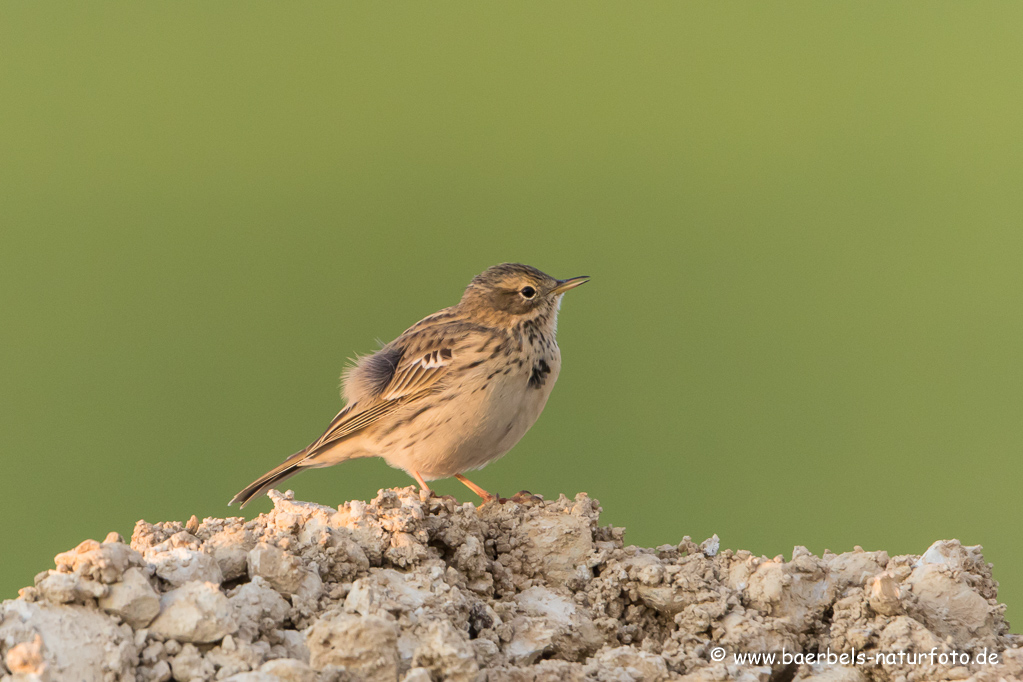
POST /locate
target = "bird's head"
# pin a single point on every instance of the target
(510, 293)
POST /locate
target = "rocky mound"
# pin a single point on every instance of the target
(402, 588)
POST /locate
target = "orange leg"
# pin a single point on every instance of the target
(422, 483)
(484, 495)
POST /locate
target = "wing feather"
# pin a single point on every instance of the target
(416, 374)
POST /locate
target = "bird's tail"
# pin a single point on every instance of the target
(288, 468)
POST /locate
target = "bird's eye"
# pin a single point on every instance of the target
(528, 292)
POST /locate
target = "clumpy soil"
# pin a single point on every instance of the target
(413, 589)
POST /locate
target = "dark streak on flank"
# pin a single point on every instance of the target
(539, 375)
(420, 411)
(409, 419)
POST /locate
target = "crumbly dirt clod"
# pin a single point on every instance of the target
(401, 589)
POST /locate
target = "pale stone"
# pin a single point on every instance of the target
(230, 549)
(68, 588)
(854, 568)
(831, 673)
(559, 543)
(258, 607)
(69, 643)
(195, 612)
(367, 646)
(252, 676)
(284, 572)
(133, 599)
(948, 606)
(27, 658)
(953, 554)
(387, 590)
(639, 665)
(550, 623)
(885, 595)
(181, 565)
(189, 664)
(445, 652)
(417, 675)
(103, 562)
(797, 591)
(289, 670)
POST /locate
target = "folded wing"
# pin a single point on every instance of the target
(412, 375)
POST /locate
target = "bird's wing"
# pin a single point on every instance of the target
(412, 375)
(420, 373)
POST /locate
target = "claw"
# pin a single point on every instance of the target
(526, 497)
(523, 497)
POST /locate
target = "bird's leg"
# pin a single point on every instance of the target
(487, 497)
(422, 483)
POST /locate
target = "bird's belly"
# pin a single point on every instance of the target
(464, 434)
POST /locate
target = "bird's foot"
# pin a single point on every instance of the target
(484, 495)
(526, 497)
(523, 497)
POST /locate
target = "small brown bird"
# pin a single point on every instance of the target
(455, 391)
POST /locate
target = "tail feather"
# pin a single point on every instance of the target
(291, 466)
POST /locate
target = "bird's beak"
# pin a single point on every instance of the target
(571, 283)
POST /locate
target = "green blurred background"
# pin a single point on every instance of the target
(804, 224)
